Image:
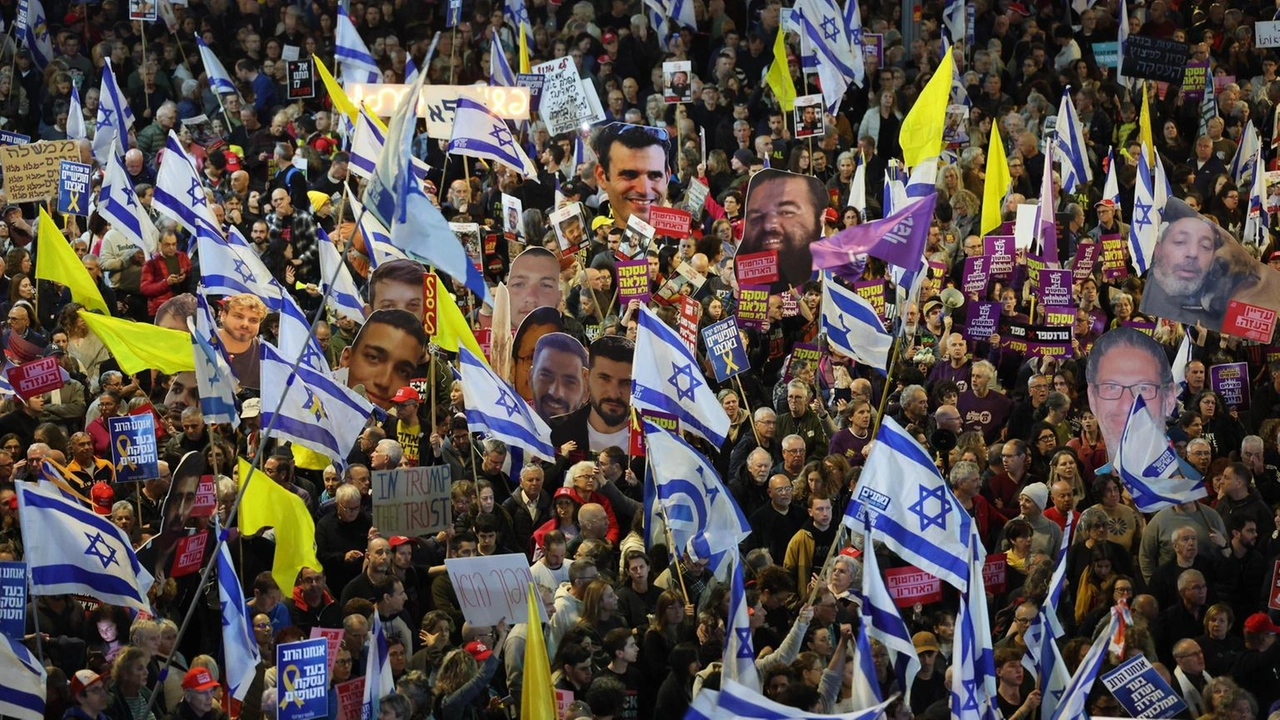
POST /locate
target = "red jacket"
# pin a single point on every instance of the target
(155, 280)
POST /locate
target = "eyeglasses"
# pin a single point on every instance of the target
(1047, 438)
(342, 661)
(1113, 391)
(621, 127)
(1198, 653)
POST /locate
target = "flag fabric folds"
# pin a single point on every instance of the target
(350, 52)
(1144, 128)
(239, 648)
(778, 76)
(1208, 104)
(1144, 227)
(822, 23)
(56, 261)
(314, 410)
(22, 694)
(497, 409)
(344, 298)
(70, 550)
(742, 703)
(214, 380)
(853, 36)
(1245, 159)
(500, 72)
(478, 133)
(118, 204)
(337, 96)
(1070, 146)
(537, 696)
(378, 682)
(33, 30)
(921, 133)
(75, 117)
(1256, 218)
(179, 194)
(1046, 230)
(852, 326)
(219, 80)
(229, 266)
(996, 183)
(267, 504)
(1149, 466)
(142, 346)
(666, 377)
(881, 618)
(1072, 703)
(739, 652)
(898, 239)
(1111, 187)
(115, 117)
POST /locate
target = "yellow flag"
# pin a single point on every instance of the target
(921, 132)
(452, 329)
(56, 261)
(779, 75)
(142, 346)
(1144, 129)
(997, 182)
(524, 52)
(267, 504)
(341, 102)
(537, 699)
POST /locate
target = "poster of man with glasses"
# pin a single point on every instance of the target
(1124, 364)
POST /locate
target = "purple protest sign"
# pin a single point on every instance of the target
(1000, 248)
(977, 273)
(984, 319)
(1053, 286)
(1231, 381)
(633, 281)
(1086, 258)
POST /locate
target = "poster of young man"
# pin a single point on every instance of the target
(605, 419)
(808, 116)
(384, 355)
(540, 322)
(784, 213)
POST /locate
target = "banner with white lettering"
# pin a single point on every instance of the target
(1141, 691)
(13, 599)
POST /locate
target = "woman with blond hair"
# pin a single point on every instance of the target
(463, 677)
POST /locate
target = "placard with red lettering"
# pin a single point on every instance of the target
(1251, 322)
(36, 377)
(564, 698)
(492, 588)
(206, 501)
(333, 638)
(1086, 258)
(976, 275)
(484, 336)
(759, 268)
(1273, 597)
(753, 306)
(1000, 248)
(690, 312)
(1053, 286)
(672, 222)
(908, 586)
(350, 698)
(188, 556)
(995, 573)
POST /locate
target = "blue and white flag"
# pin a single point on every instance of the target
(23, 691)
(378, 682)
(214, 380)
(865, 688)
(923, 179)
(377, 239)
(71, 550)
(1246, 158)
(478, 133)
(1070, 147)
(739, 651)
(366, 147)
(352, 55)
(823, 23)
(852, 326)
(1058, 581)
(239, 647)
(704, 705)
(344, 298)
(953, 18)
(315, 411)
(1045, 660)
(118, 204)
(913, 509)
(410, 70)
(1072, 704)
(495, 407)
(1208, 104)
(1149, 466)
(179, 194)
(219, 80)
(881, 618)
(229, 266)
(520, 19)
(115, 117)
(1111, 187)
(1179, 364)
(500, 72)
(973, 682)
(33, 31)
(853, 36)
(1256, 219)
(742, 703)
(296, 340)
(666, 377)
(75, 117)
(1123, 37)
(700, 513)
(1144, 228)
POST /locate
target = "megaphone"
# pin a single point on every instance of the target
(951, 299)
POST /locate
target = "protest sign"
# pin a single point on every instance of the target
(1113, 247)
(430, 303)
(908, 586)
(570, 227)
(873, 47)
(512, 211)
(984, 320)
(31, 171)
(206, 501)
(144, 10)
(333, 638)
(635, 440)
(1266, 33)
(1037, 341)
(73, 187)
(1000, 249)
(36, 377)
(1251, 322)
(759, 268)
(1059, 315)
(1053, 286)
(350, 698)
(301, 79)
(636, 238)
(695, 197)
(802, 355)
(533, 83)
(1231, 381)
(790, 305)
(8, 137)
(492, 588)
(133, 447)
(1086, 257)
(563, 102)
(807, 117)
(976, 272)
(684, 281)
(1154, 58)
(412, 501)
(676, 87)
(188, 555)
(302, 692)
(1273, 597)
(687, 323)
(1141, 691)
(724, 348)
(995, 571)
(670, 222)
(1106, 54)
(1142, 326)
(1194, 77)
(873, 292)
(753, 305)
(13, 600)
(633, 281)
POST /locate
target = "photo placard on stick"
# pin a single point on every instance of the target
(807, 119)
(637, 236)
(512, 211)
(570, 227)
(676, 85)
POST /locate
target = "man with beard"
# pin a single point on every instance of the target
(241, 318)
(633, 169)
(784, 213)
(377, 569)
(1124, 364)
(603, 421)
(558, 376)
(1180, 264)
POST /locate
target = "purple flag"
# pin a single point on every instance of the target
(1045, 216)
(898, 239)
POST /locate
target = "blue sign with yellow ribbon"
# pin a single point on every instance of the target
(73, 188)
(724, 348)
(302, 688)
(134, 450)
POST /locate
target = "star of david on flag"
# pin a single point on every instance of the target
(852, 326)
(479, 133)
(521, 426)
(663, 379)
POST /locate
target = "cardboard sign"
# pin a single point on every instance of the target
(134, 451)
(724, 349)
(1037, 341)
(36, 377)
(908, 586)
(1141, 691)
(1250, 322)
(995, 573)
(759, 268)
(1001, 251)
(512, 211)
(1106, 54)
(144, 10)
(533, 83)
(570, 227)
(753, 306)
(1053, 286)
(492, 588)
(984, 320)
(635, 440)
(695, 197)
(1194, 78)
(32, 171)
(633, 281)
(333, 638)
(687, 323)
(350, 698)
(676, 81)
(412, 501)
(1113, 247)
(563, 103)
(303, 689)
(1086, 258)
(430, 303)
(671, 222)
(1059, 316)
(873, 47)
(73, 187)
(1231, 381)
(976, 275)
(1154, 58)
(1273, 598)
(1266, 34)
(188, 556)
(13, 599)
(637, 236)
(300, 79)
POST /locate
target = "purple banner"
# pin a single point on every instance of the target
(984, 320)
(1086, 258)
(1231, 381)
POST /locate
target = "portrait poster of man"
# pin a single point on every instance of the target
(1200, 274)
(512, 210)
(571, 228)
(384, 356)
(784, 213)
(542, 321)
(1124, 364)
(605, 419)
(177, 522)
(808, 116)
(636, 238)
(469, 235)
(676, 87)
(558, 375)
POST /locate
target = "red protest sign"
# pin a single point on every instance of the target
(350, 698)
(429, 303)
(670, 221)
(332, 637)
(690, 311)
(1250, 322)
(635, 445)
(995, 573)
(759, 268)
(36, 377)
(206, 501)
(188, 557)
(1273, 597)
(908, 586)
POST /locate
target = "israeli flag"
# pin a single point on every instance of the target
(1246, 158)
(1077, 691)
(913, 509)
(229, 266)
(865, 689)
(111, 133)
(881, 618)
(520, 18)
(6, 387)
(33, 30)
(853, 36)
(1122, 37)
(741, 702)
(219, 80)
(1044, 659)
(296, 338)
(1208, 104)
(179, 194)
(239, 647)
(739, 652)
(314, 410)
(1111, 187)
(500, 72)
(953, 16)
(701, 515)
(75, 117)
(343, 298)
(23, 691)
(1149, 466)
(494, 407)
(352, 54)
(823, 23)
(1179, 365)
(118, 204)
(973, 684)
(894, 197)
(923, 179)
(478, 133)
(1255, 224)
(1145, 226)
(666, 377)
(1069, 145)
(852, 326)
(410, 70)
(377, 241)
(378, 682)
(366, 147)
(71, 550)
(214, 380)
(1058, 581)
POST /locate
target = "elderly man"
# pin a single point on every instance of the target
(793, 457)
(341, 537)
(1200, 455)
(750, 487)
(529, 507)
(773, 525)
(1184, 618)
(966, 484)
(1164, 581)
(1124, 364)
(1158, 546)
(85, 468)
(981, 407)
(807, 418)
(1189, 677)
(1253, 455)
(764, 422)
(914, 404)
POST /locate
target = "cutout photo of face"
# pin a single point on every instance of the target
(540, 322)
(784, 213)
(384, 356)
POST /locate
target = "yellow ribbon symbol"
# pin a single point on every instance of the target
(73, 203)
(289, 677)
(730, 366)
(123, 446)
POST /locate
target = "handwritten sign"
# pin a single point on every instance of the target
(1154, 58)
(133, 447)
(36, 377)
(758, 268)
(73, 187)
(13, 599)
(1266, 33)
(412, 501)
(984, 320)
(302, 692)
(672, 222)
(908, 586)
(976, 274)
(753, 306)
(1231, 381)
(301, 79)
(724, 348)
(563, 102)
(1113, 257)
(492, 588)
(31, 171)
(1141, 691)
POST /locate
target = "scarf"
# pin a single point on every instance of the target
(1189, 692)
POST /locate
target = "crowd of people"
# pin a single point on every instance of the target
(1024, 438)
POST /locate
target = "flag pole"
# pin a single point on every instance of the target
(36, 617)
(742, 397)
(888, 383)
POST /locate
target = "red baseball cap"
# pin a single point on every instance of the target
(103, 497)
(406, 394)
(1260, 623)
(478, 650)
(398, 540)
(83, 680)
(198, 679)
